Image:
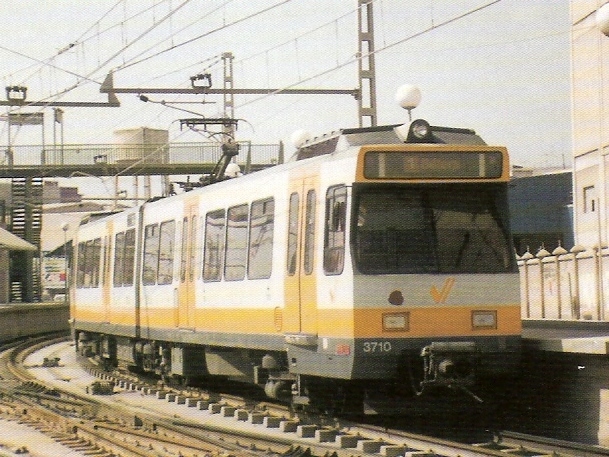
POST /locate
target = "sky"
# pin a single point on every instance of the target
(500, 67)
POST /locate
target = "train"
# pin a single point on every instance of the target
(376, 265)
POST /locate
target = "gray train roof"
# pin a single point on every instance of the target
(386, 134)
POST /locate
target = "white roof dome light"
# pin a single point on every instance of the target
(408, 96)
(602, 19)
(232, 170)
(300, 137)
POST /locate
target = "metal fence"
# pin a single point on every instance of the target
(568, 285)
(172, 153)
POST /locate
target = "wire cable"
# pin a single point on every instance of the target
(192, 40)
(376, 51)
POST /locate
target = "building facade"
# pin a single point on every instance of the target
(590, 121)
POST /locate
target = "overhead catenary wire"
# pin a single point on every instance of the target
(201, 36)
(339, 65)
(356, 58)
(80, 41)
(88, 76)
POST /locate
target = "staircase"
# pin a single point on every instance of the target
(26, 223)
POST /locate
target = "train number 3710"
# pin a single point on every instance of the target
(377, 346)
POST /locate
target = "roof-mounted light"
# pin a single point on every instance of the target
(408, 97)
(419, 130)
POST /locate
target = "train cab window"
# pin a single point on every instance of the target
(431, 229)
(151, 254)
(236, 243)
(260, 255)
(334, 233)
(309, 242)
(213, 256)
(292, 233)
(166, 252)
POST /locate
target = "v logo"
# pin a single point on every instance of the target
(440, 296)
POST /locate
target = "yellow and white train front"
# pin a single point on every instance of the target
(420, 285)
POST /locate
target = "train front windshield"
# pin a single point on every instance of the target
(448, 228)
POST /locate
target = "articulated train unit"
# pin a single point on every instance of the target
(376, 264)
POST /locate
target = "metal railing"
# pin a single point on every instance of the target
(172, 153)
(565, 285)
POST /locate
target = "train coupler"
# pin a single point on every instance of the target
(449, 364)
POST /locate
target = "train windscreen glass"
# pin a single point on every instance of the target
(448, 228)
(432, 164)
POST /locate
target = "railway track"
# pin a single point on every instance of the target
(146, 420)
(92, 426)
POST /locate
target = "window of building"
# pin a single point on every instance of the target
(261, 239)
(589, 199)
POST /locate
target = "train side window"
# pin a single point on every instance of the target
(166, 252)
(213, 256)
(309, 241)
(236, 243)
(183, 258)
(192, 252)
(151, 254)
(87, 273)
(93, 262)
(89, 257)
(292, 233)
(105, 260)
(129, 257)
(80, 269)
(119, 258)
(261, 239)
(334, 233)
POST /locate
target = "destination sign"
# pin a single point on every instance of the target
(432, 164)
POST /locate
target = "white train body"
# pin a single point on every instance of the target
(279, 278)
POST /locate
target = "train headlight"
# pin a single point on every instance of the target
(420, 129)
(396, 322)
(484, 319)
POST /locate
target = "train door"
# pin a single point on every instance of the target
(300, 314)
(186, 285)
